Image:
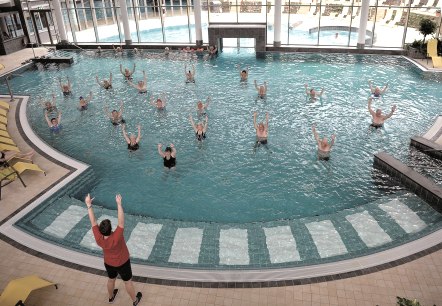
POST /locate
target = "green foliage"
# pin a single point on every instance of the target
(407, 302)
(427, 27)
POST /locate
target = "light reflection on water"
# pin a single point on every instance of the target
(222, 179)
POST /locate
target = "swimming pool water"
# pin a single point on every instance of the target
(223, 179)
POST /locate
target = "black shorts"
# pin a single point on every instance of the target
(124, 270)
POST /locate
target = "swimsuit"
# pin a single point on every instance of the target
(377, 125)
(323, 155)
(200, 137)
(66, 93)
(120, 121)
(169, 163)
(261, 141)
(55, 128)
(376, 95)
(83, 107)
(133, 147)
(107, 87)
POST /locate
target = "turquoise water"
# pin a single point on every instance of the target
(180, 34)
(223, 179)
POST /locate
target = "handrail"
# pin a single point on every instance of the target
(72, 44)
(9, 85)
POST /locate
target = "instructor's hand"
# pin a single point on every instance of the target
(118, 199)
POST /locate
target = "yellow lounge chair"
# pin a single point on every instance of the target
(7, 140)
(3, 127)
(3, 112)
(18, 290)
(4, 104)
(8, 175)
(4, 134)
(437, 61)
(8, 147)
(3, 120)
(21, 167)
(432, 47)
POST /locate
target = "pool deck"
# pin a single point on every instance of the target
(417, 279)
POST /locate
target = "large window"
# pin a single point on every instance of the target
(11, 26)
(391, 23)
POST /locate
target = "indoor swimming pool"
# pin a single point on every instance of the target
(228, 205)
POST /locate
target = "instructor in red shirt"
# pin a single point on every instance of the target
(116, 254)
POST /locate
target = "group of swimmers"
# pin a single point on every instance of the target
(200, 129)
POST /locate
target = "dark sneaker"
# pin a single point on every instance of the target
(138, 298)
(112, 299)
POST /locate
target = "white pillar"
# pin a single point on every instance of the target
(277, 24)
(94, 16)
(125, 19)
(198, 28)
(84, 14)
(363, 24)
(60, 21)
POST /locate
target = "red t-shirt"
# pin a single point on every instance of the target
(114, 247)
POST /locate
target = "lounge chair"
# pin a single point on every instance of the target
(8, 147)
(7, 176)
(22, 166)
(3, 127)
(437, 61)
(3, 120)
(4, 104)
(3, 112)
(4, 134)
(18, 290)
(7, 140)
(432, 49)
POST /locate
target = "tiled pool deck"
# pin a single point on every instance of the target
(420, 277)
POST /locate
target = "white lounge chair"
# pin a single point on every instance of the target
(435, 131)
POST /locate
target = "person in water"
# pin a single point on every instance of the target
(65, 87)
(106, 84)
(200, 129)
(118, 50)
(190, 75)
(262, 89)
(213, 51)
(376, 92)
(243, 74)
(127, 73)
(169, 156)
(50, 106)
(84, 102)
(202, 107)
(55, 123)
(312, 94)
(324, 147)
(378, 118)
(98, 50)
(132, 141)
(115, 116)
(262, 131)
(159, 103)
(141, 86)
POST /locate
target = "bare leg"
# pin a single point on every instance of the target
(130, 289)
(111, 287)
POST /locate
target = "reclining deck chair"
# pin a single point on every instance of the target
(18, 290)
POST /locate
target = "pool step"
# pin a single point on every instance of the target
(266, 244)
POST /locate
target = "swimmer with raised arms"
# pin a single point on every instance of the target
(378, 117)
(65, 87)
(324, 147)
(55, 123)
(127, 73)
(160, 102)
(169, 156)
(50, 106)
(312, 94)
(141, 86)
(243, 74)
(262, 131)
(262, 89)
(376, 92)
(84, 102)
(200, 129)
(115, 116)
(132, 141)
(202, 107)
(106, 84)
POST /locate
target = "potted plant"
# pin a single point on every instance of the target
(414, 49)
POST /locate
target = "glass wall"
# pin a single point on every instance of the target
(391, 23)
(10, 25)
